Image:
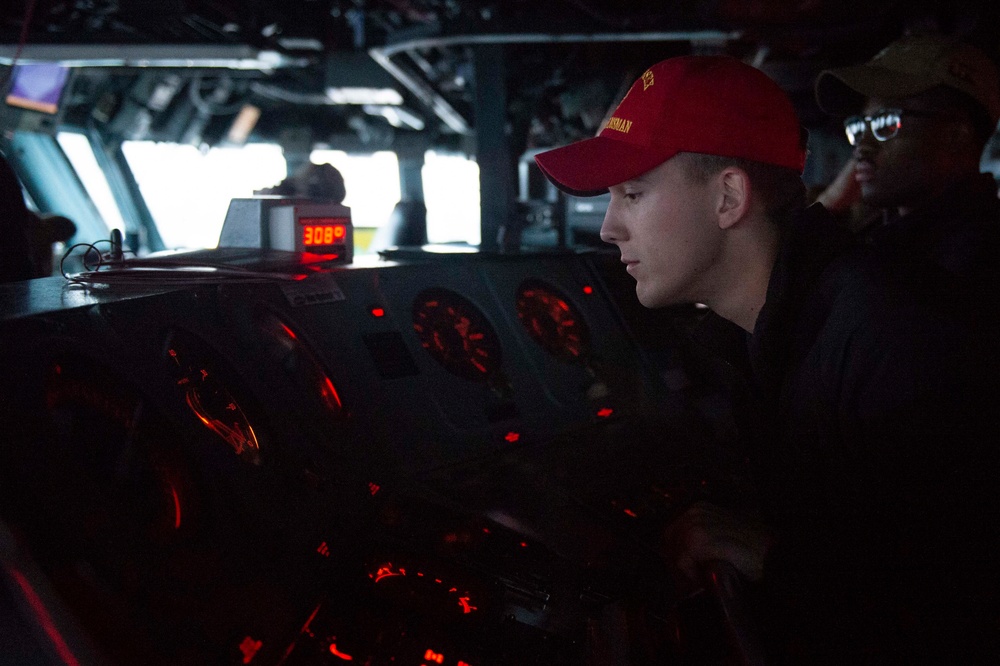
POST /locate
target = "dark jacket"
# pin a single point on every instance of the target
(868, 408)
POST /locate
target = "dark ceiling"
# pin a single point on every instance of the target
(564, 62)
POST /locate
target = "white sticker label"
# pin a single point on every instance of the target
(315, 289)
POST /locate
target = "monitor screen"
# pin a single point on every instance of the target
(38, 86)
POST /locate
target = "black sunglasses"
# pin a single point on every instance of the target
(884, 124)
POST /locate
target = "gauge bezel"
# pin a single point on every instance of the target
(475, 353)
(572, 346)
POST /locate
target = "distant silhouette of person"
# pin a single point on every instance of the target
(16, 261)
(43, 232)
(26, 237)
(322, 182)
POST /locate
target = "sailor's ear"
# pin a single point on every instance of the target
(733, 193)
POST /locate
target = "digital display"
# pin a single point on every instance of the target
(317, 231)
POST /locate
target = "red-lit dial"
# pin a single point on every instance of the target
(456, 334)
(209, 399)
(298, 359)
(121, 449)
(553, 322)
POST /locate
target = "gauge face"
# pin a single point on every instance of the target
(299, 361)
(208, 398)
(118, 456)
(456, 334)
(553, 322)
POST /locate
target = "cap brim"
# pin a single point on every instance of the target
(843, 91)
(589, 167)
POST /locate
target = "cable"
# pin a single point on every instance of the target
(112, 268)
(91, 247)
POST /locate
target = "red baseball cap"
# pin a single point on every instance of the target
(716, 105)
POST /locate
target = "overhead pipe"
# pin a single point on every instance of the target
(426, 93)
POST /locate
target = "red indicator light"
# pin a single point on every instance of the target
(378, 312)
(289, 332)
(587, 289)
(373, 488)
(431, 655)
(486, 530)
(524, 544)
(466, 607)
(512, 437)
(323, 550)
(340, 655)
(630, 512)
(249, 647)
(463, 663)
(605, 412)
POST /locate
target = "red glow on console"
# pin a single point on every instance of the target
(387, 572)
(44, 619)
(378, 312)
(587, 289)
(338, 654)
(512, 436)
(433, 656)
(631, 513)
(466, 606)
(605, 412)
(323, 549)
(177, 507)
(373, 488)
(249, 647)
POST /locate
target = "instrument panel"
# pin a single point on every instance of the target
(444, 462)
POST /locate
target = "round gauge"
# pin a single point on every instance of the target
(299, 361)
(208, 398)
(553, 322)
(121, 457)
(456, 334)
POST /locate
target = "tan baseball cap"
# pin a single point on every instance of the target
(910, 66)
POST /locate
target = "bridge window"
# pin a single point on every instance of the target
(188, 191)
(81, 155)
(451, 193)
